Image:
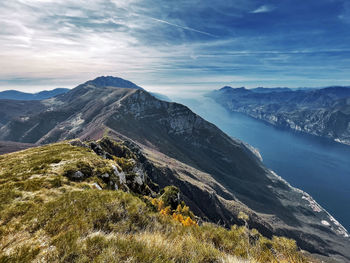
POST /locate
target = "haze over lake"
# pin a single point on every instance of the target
(316, 165)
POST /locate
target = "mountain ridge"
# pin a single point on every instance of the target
(18, 95)
(321, 112)
(110, 81)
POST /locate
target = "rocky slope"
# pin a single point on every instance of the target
(102, 206)
(8, 147)
(321, 112)
(14, 109)
(217, 175)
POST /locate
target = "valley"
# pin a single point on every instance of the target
(317, 165)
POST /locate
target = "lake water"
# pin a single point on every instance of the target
(316, 165)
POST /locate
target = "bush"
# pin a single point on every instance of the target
(83, 167)
(170, 196)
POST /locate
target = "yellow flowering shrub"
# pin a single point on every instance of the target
(181, 214)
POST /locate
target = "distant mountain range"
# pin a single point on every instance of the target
(18, 95)
(217, 175)
(46, 94)
(323, 112)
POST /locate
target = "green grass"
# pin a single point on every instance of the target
(48, 218)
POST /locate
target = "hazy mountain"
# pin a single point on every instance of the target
(322, 112)
(18, 95)
(217, 175)
(160, 96)
(268, 90)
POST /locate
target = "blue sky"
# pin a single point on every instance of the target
(175, 46)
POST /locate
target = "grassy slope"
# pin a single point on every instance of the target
(46, 217)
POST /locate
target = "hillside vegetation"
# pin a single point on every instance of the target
(51, 214)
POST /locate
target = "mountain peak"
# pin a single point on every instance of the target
(234, 90)
(110, 81)
(230, 88)
(226, 88)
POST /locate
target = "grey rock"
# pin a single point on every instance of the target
(78, 175)
(121, 175)
(78, 143)
(138, 180)
(105, 175)
(97, 186)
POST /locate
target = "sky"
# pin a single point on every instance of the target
(175, 46)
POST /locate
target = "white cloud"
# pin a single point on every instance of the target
(42, 41)
(54, 43)
(263, 9)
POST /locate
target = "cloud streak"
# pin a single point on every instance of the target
(182, 27)
(263, 9)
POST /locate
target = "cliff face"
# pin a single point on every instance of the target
(324, 112)
(217, 175)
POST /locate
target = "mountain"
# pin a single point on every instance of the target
(322, 112)
(109, 81)
(18, 95)
(218, 176)
(268, 90)
(160, 96)
(17, 109)
(8, 147)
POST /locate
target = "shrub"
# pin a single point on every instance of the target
(126, 164)
(170, 196)
(81, 166)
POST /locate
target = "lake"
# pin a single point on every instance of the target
(316, 165)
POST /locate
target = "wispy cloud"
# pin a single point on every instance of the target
(182, 27)
(263, 9)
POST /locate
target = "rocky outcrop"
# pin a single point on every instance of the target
(132, 178)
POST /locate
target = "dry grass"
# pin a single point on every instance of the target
(45, 217)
